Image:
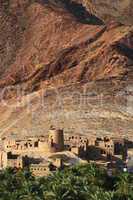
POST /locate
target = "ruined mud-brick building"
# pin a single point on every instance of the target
(32, 151)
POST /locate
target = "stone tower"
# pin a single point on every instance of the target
(56, 140)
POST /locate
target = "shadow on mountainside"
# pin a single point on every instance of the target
(80, 12)
(124, 50)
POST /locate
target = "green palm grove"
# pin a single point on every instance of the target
(83, 182)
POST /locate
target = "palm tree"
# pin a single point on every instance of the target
(124, 187)
(101, 195)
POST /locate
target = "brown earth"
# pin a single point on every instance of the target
(61, 49)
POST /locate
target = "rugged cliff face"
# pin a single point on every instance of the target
(48, 38)
(53, 50)
(119, 10)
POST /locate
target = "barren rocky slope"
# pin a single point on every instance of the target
(64, 66)
(120, 10)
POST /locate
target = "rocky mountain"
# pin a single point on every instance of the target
(66, 63)
(119, 10)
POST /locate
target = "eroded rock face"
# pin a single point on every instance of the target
(120, 10)
(50, 41)
(55, 48)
